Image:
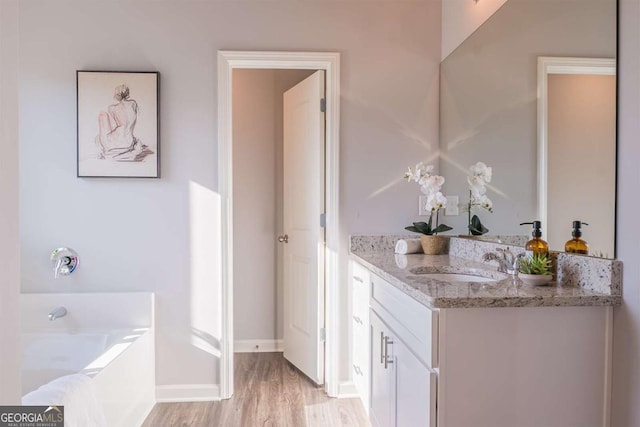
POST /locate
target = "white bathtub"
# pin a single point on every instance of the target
(106, 336)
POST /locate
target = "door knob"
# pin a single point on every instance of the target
(283, 239)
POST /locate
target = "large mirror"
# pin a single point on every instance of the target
(532, 93)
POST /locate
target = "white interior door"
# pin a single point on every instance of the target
(304, 149)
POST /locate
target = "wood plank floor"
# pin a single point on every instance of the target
(269, 391)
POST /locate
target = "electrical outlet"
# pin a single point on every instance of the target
(422, 201)
(452, 208)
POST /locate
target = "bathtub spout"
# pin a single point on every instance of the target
(57, 312)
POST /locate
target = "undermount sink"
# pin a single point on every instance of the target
(457, 277)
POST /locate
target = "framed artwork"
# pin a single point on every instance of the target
(118, 124)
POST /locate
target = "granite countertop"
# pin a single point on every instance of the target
(403, 272)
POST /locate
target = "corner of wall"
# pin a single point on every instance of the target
(626, 323)
(460, 18)
(9, 214)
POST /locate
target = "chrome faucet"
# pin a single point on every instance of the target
(507, 261)
(57, 312)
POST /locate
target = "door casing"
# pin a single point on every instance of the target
(330, 63)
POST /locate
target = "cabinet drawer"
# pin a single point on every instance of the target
(416, 324)
(361, 279)
(361, 285)
(360, 306)
(361, 381)
(360, 273)
(361, 360)
(360, 336)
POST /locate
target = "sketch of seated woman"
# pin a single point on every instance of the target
(116, 139)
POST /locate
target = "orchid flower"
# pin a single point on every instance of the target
(430, 186)
(478, 178)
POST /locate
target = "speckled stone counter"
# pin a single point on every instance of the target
(404, 272)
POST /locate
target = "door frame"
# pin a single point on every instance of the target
(329, 62)
(558, 65)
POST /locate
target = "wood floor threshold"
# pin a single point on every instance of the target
(269, 391)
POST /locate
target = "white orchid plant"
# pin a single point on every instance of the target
(430, 186)
(478, 178)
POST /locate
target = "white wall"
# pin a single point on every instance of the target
(626, 352)
(254, 205)
(460, 18)
(167, 243)
(9, 249)
(582, 159)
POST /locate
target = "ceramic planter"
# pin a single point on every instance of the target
(535, 279)
(433, 245)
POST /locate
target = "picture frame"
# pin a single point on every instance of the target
(118, 124)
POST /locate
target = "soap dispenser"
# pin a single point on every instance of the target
(536, 246)
(577, 245)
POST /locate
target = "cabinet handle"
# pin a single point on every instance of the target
(358, 279)
(382, 347)
(357, 369)
(387, 360)
(358, 320)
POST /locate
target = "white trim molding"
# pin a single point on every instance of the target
(258, 346)
(347, 389)
(608, 367)
(558, 65)
(330, 63)
(188, 393)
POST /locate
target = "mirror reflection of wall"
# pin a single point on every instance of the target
(488, 102)
(578, 134)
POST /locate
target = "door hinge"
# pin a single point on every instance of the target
(323, 220)
(323, 334)
(323, 105)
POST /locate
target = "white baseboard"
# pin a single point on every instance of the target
(258, 346)
(188, 393)
(347, 389)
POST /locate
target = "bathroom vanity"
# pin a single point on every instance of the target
(432, 352)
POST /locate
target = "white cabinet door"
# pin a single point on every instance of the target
(415, 388)
(382, 407)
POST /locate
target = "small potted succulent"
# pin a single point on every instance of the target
(535, 270)
(430, 185)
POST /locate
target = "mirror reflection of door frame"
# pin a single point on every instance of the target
(330, 63)
(558, 65)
